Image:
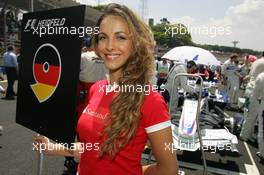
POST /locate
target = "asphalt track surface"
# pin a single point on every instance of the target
(16, 155)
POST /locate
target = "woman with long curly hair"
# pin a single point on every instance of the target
(125, 110)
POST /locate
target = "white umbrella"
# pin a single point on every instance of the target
(187, 53)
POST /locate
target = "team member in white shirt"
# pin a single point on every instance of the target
(180, 82)
(250, 120)
(230, 76)
(258, 95)
(245, 69)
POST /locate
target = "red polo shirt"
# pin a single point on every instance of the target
(154, 117)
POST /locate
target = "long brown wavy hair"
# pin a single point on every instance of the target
(139, 69)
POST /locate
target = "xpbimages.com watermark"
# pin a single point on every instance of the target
(81, 147)
(213, 147)
(57, 26)
(80, 31)
(146, 89)
(211, 31)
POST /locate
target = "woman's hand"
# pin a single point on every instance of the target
(43, 145)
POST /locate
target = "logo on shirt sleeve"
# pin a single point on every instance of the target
(46, 71)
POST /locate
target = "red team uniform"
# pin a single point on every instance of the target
(154, 117)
